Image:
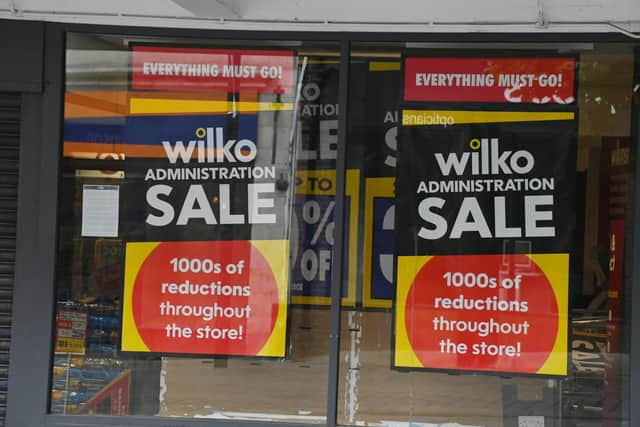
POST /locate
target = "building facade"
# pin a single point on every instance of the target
(251, 215)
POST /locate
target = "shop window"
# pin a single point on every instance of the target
(486, 240)
(453, 325)
(196, 228)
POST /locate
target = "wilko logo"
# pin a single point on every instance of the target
(486, 159)
(210, 147)
(211, 202)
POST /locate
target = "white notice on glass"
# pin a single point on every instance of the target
(100, 210)
(531, 421)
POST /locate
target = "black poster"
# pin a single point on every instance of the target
(484, 226)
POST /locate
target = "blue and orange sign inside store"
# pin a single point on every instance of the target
(174, 81)
(313, 237)
(379, 246)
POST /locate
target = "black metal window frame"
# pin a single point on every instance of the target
(39, 184)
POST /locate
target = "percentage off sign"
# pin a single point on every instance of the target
(315, 262)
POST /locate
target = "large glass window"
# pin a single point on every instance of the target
(195, 237)
(441, 336)
(486, 241)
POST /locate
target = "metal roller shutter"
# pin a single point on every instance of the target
(9, 149)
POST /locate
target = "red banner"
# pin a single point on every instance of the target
(504, 80)
(195, 69)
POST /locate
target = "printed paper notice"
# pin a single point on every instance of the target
(531, 421)
(100, 206)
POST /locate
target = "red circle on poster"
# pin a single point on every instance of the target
(467, 312)
(213, 297)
